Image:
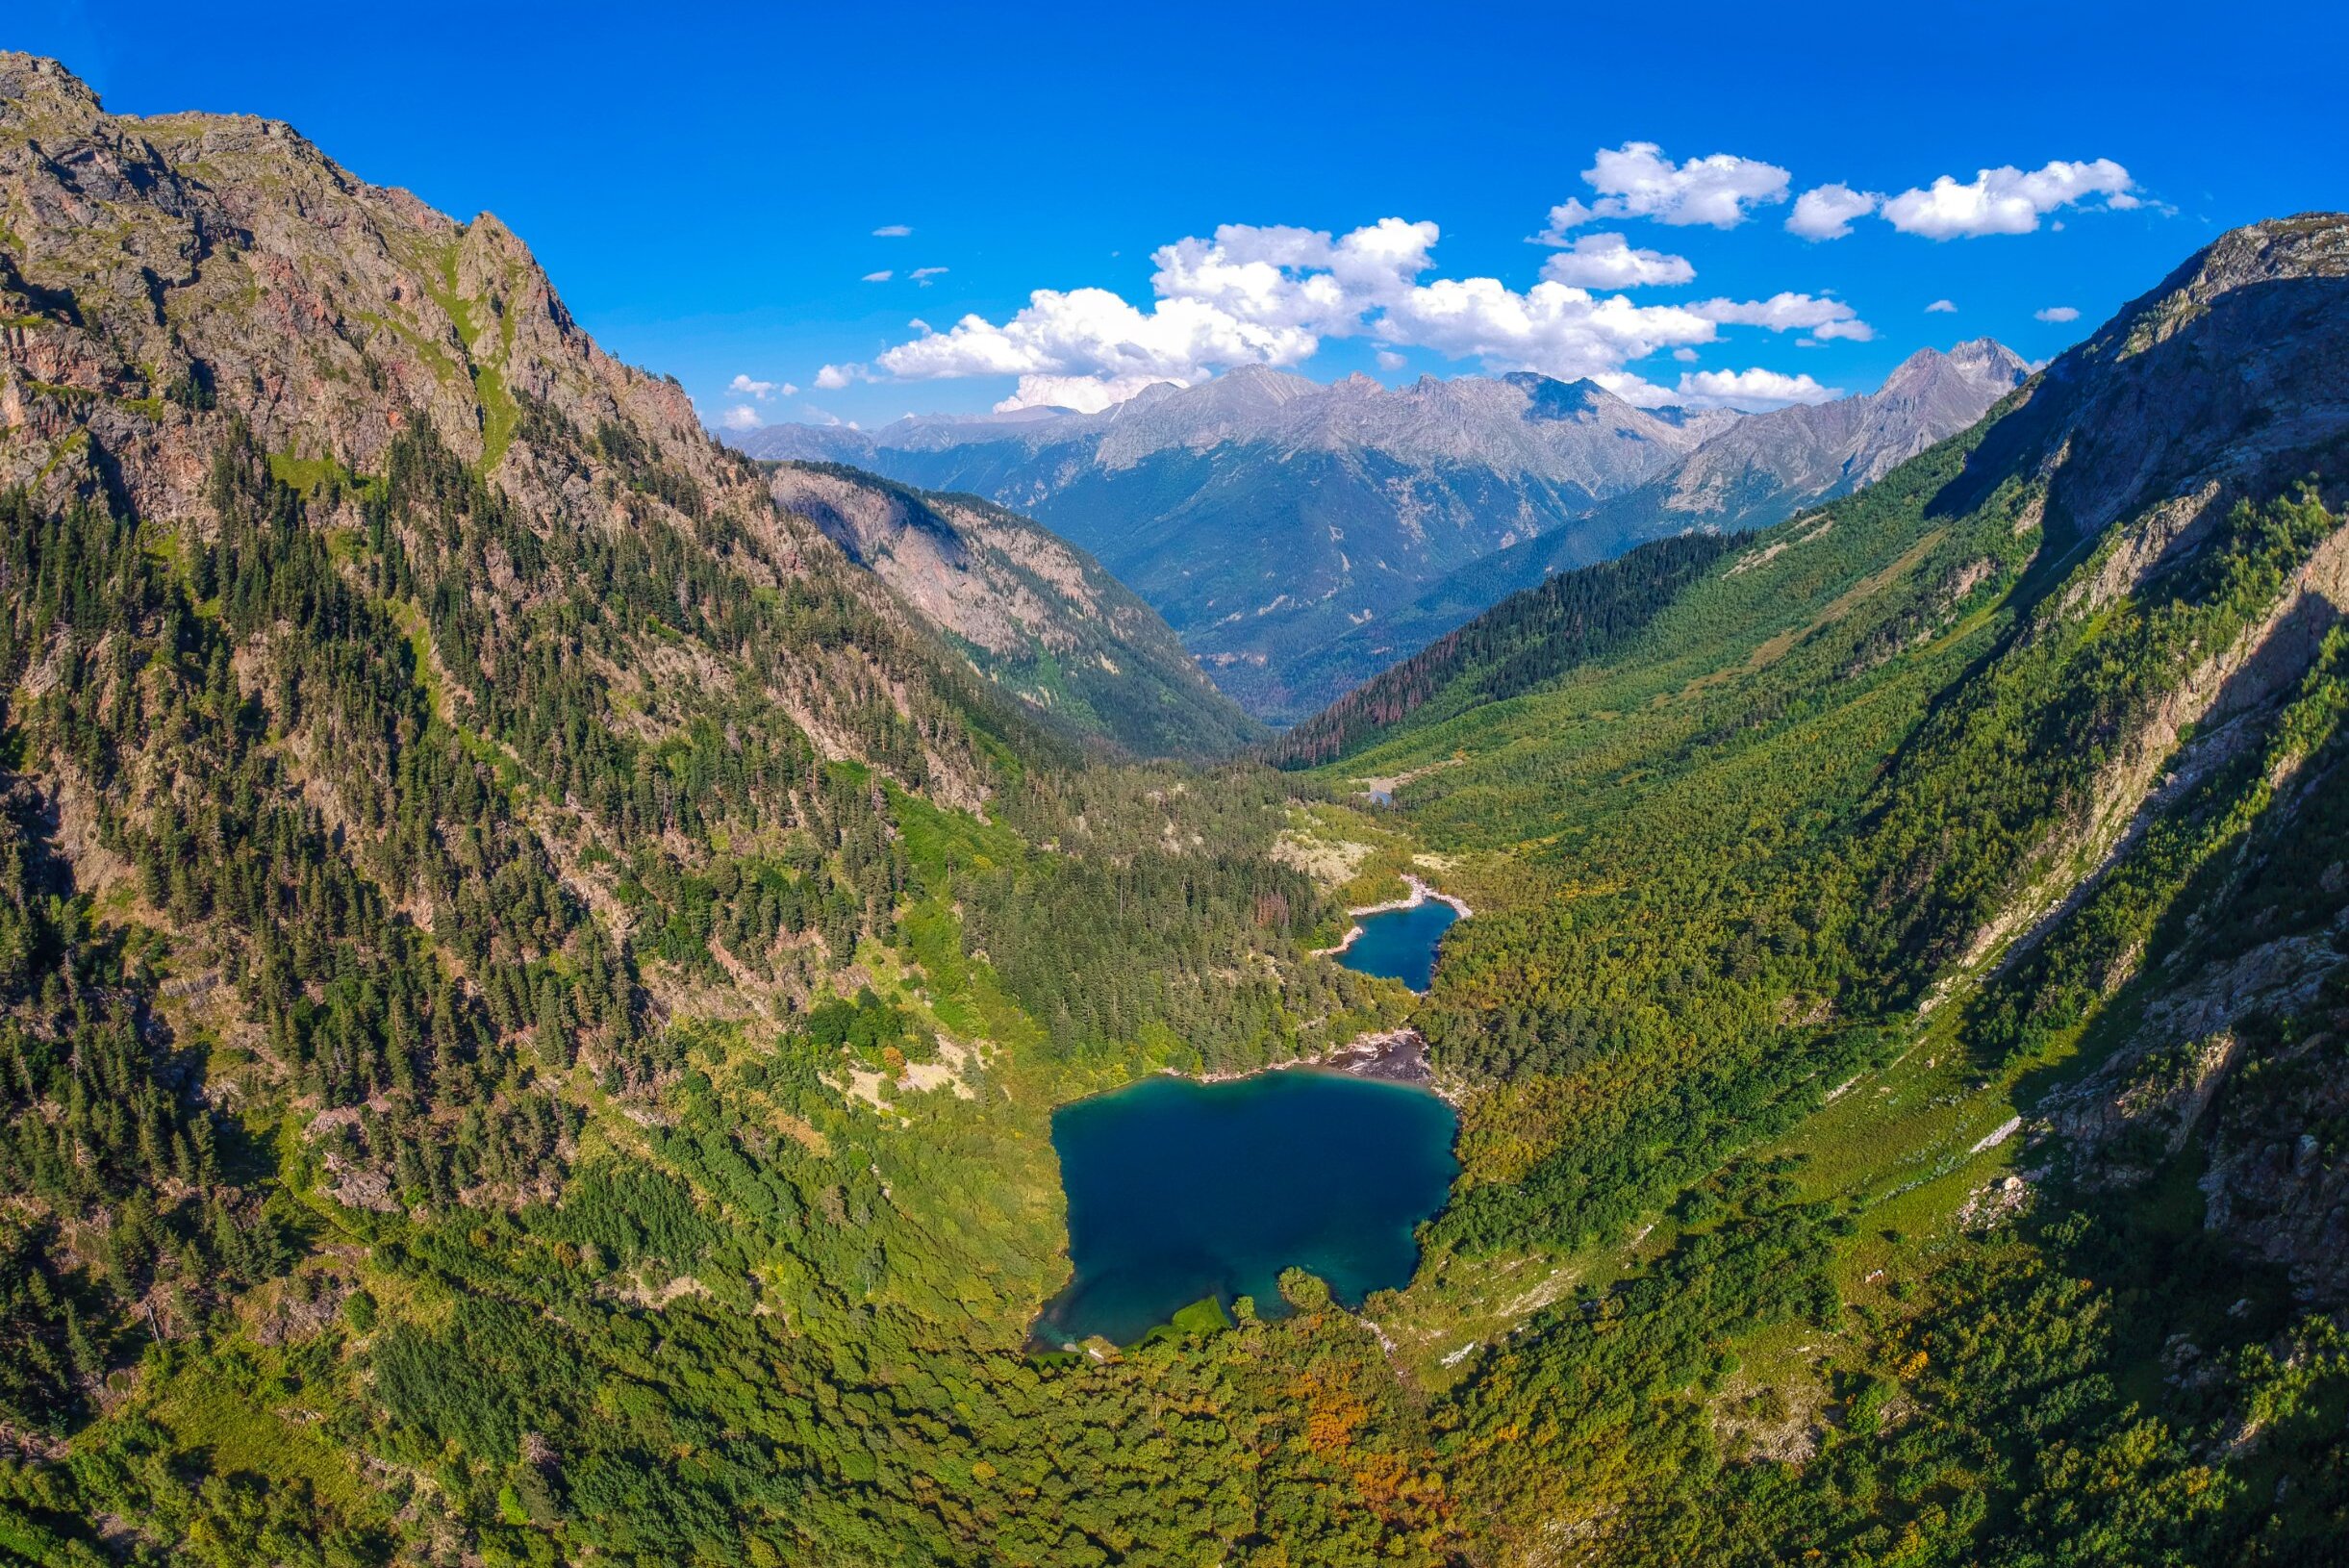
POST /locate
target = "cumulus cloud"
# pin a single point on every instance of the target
(1636, 180)
(1822, 318)
(1941, 307)
(1248, 295)
(924, 274)
(2008, 200)
(2057, 313)
(1273, 295)
(882, 276)
(740, 416)
(1389, 360)
(892, 231)
(1826, 212)
(1086, 395)
(1557, 329)
(742, 385)
(1607, 260)
(833, 377)
(1753, 391)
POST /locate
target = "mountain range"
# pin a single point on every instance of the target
(1301, 537)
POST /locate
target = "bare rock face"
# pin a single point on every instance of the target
(1030, 611)
(2277, 1181)
(1766, 466)
(160, 269)
(2217, 383)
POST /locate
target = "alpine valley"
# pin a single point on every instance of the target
(539, 954)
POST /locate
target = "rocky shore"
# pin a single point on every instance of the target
(1391, 1057)
(1397, 1055)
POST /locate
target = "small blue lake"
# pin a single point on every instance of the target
(1180, 1190)
(1402, 943)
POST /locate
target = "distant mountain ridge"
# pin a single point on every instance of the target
(1301, 537)
(1264, 514)
(1757, 471)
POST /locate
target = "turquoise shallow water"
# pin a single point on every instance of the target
(1179, 1190)
(1400, 943)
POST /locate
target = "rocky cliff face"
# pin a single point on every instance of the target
(2143, 450)
(2217, 383)
(1031, 612)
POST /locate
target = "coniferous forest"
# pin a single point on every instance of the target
(533, 987)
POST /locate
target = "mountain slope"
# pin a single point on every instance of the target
(1940, 900)
(1033, 614)
(491, 991)
(509, 1051)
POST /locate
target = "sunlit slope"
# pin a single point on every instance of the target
(1870, 750)
(1907, 996)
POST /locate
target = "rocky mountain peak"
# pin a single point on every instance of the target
(1986, 358)
(2305, 249)
(1967, 369)
(2211, 384)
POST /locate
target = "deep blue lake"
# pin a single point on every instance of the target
(1400, 943)
(1180, 1190)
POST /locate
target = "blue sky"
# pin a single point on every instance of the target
(704, 184)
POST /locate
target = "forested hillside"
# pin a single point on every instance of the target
(1909, 981)
(491, 1000)
(533, 986)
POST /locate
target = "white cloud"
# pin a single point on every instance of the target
(1750, 390)
(882, 276)
(1607, 260)
(1822, 318)
(924, 274)
(742, 385)
(1636, 180)
(1087, 394)
(2008, 200)
(1941, 307)
(2057, 313)
(1826, 212)
(740, 416)
(833, 377)
(1686, 356)
(1273, 295)
(1557, 329)
(1389, 360)
(1249, 295)
(892, 231)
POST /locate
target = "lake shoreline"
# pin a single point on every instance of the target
(1421, 894)
(1396, 1056)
